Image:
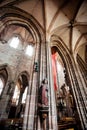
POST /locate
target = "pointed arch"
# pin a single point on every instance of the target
(25, 78)
(73, 78)
(8, 72)
(16, 16)
(19, 96)
(5, 75)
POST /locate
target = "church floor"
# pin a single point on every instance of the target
(67, 123)
(17, 124)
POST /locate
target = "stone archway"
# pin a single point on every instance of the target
(18, 103)
(65, 104)
(6, 74)
(14, 16)
(72, 78)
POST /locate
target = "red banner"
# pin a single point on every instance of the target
(54, 69)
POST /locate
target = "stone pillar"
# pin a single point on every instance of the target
(32, 119)
(52, 101)
(30, 115)
(78, 91)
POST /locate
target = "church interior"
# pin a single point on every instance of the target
(43, 64)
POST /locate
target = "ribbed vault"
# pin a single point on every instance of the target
(66, 19)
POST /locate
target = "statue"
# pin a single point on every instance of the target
(43, 102)
(43, 93)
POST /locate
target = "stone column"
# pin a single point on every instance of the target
(32, 119)
(78, 91)
(30, 115)
(52, 101)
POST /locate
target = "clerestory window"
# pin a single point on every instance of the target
(29, 50)
(16, 95)
(14, 42)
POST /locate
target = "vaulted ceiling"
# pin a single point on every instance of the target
(66, 19)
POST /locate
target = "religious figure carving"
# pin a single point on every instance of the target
(43, 103)
(43, 96)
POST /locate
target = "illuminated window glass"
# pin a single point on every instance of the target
(24, 95)
(29, 50)
(16, 95)
(14, 42)
(1, 86)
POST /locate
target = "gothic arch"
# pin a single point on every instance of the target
(79, 48)
(25, 73)
(8, 75)
(73, 77)
(25, 78)
(62, 50)
(3, 78)
(19, 102)
(14, 16)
